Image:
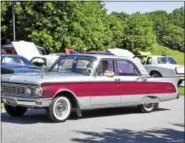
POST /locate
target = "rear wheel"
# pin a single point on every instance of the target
(147, 108)
(59, 109)
(156, 106)
(15, 111)
(155, 74)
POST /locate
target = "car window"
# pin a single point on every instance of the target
(15, 60)
(125, 68)
(105, 66)
(63, 65)
(81, 65)
(149, 61)
(166, 60)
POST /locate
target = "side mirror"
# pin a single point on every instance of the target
(109, 74)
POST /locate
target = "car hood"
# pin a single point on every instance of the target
(21, 68)
(39, 78)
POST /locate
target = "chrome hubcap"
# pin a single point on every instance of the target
(149, 106)
(61, 108)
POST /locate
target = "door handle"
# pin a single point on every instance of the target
(117, 79)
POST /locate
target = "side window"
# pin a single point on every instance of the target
(125, 68)
(63, 65)
(149, 61)
(105, 66)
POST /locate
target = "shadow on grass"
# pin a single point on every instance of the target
(165, 135)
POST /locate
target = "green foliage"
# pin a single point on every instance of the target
(81, 25)
(169, 28)
(174, 37)
(139, 32)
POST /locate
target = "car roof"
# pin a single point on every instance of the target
(11, 55)
(159, 56)
(99, 56)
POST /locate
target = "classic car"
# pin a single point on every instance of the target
(9, 48)
(85, 82)
(16, 64)
(163, 66)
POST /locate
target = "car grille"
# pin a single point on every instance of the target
(10, 89)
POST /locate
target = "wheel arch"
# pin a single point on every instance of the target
(72, 97)
(153, 98)
(155, 70)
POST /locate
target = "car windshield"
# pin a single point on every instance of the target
(74, 64)
(166, 60)
(15, 60)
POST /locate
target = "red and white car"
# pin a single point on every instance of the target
(86, 82)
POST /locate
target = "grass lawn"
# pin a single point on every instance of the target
(2, 106)
(181, 90)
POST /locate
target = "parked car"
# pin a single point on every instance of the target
(9, 48)
(86, 82)
(163, 66)
(16, 64)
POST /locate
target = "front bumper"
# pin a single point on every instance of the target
(28, 102)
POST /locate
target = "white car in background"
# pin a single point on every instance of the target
(163, 66)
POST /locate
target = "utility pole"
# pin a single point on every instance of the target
(13, 19)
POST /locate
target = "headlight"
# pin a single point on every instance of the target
(28, 91)
(36, 91)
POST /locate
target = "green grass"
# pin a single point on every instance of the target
(2, 105)
(181, 90)
(179, 56)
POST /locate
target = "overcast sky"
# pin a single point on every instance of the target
(131, 7)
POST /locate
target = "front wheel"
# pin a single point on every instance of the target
(147, 108)
(15, 111)
(59, 109)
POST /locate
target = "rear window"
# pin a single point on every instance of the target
(166, 60)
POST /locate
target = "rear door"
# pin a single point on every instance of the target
(130, 83)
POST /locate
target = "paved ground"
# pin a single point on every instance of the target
(123, 125)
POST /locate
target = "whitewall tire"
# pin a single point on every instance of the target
(147, 108)
(59, 109)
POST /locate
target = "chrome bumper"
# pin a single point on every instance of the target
(180, 76)
(31, 102)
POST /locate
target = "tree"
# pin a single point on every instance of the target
(160, 21)
(174, 37)
(139, 32)
(177, 17)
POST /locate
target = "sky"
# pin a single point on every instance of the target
(131, 7)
